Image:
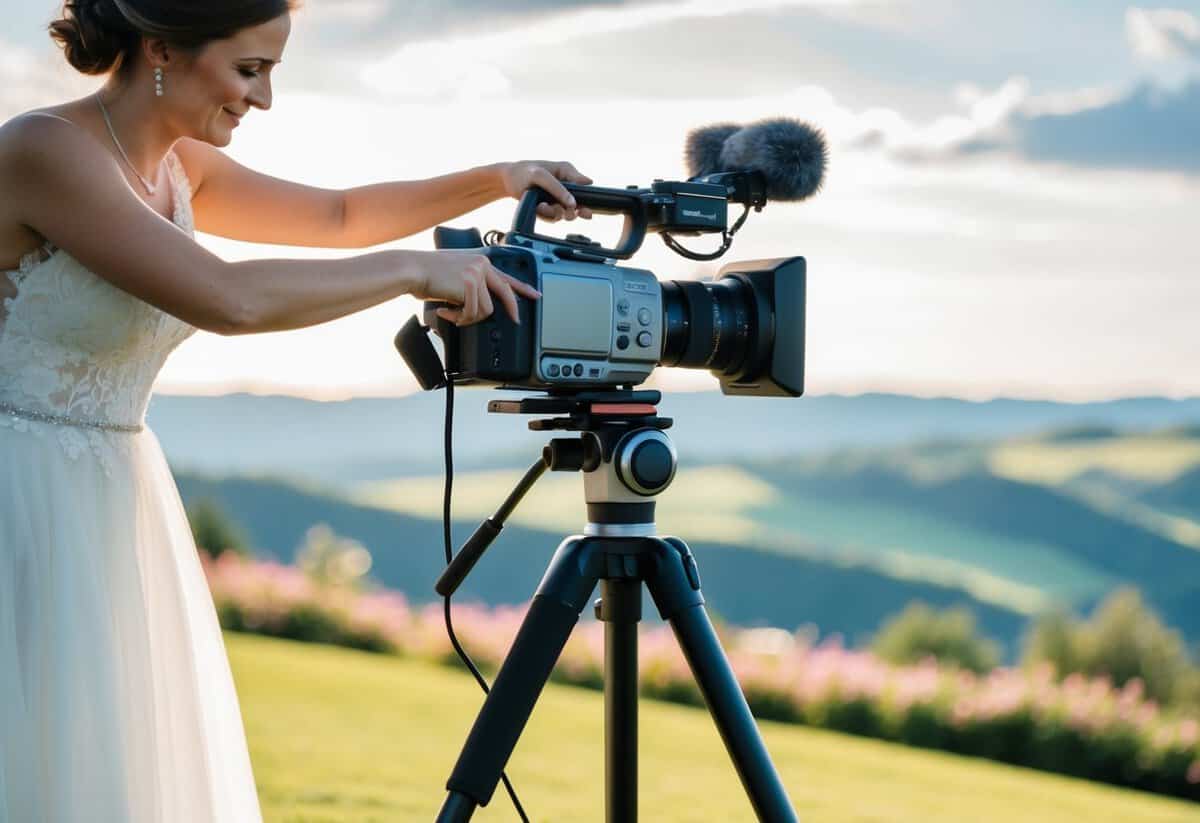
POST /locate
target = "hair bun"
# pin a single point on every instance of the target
(94, 35)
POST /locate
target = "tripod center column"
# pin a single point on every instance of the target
(620, 607)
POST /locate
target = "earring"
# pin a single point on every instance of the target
(158, 82)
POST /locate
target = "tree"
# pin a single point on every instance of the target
(1122, 639)
(214, 531)
(1052, 639)
(330, 559)
(950, 636)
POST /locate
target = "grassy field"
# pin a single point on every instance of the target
(339, 735)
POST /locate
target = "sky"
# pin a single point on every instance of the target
(1011, 207)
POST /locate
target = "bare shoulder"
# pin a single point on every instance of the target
(41, 158)
(64, 116)
(28, 142)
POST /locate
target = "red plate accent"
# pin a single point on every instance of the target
(623, 408)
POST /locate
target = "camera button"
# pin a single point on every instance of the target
(623, 326)
(623, 342)
(623, 306)
(552, 370)
(644, 339)
(579, 370)
(644, 317)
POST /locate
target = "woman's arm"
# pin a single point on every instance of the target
(387, 211)
(275, 295)
(233, 201)
(374, 214)
(73, 193)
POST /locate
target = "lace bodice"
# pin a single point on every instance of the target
(72, 345)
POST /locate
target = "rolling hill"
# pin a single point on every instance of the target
(939, 500)
(742, 585)
(380, 438)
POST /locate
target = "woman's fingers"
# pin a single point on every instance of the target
(567, 171)
(545, 179)
(479, 281)
(522, 287)
(552, 212)
(503, 289)
(483, 298)
(506, 288)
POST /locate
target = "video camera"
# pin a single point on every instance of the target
(600, 325)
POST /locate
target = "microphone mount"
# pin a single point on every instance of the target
(746, 187)
(668, 207)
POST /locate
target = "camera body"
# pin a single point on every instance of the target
(600, 325)
(597, 324)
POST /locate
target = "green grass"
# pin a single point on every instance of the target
(340, 735)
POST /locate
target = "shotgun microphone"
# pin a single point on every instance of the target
(790, 155)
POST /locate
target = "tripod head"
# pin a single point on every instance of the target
(624, 454)
(622, 449)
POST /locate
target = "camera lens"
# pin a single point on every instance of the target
(725, 327)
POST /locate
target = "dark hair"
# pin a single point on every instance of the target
(98, 36)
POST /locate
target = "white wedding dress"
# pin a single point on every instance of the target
(116, 698)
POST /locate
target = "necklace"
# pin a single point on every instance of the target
(150, 187)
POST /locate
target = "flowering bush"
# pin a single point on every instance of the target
(1080, 726)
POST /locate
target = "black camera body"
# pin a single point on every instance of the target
(596, 325)
(600, 325)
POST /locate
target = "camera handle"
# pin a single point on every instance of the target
(601, 201)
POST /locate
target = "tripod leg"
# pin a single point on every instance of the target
(620, 608)
(674, 582)
(552, 615)
(518, 684)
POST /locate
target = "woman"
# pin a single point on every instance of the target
(116, 701)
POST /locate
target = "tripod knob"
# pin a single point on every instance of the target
(645, 461)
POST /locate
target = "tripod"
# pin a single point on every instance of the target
(627, 459)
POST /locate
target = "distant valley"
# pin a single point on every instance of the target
(832, 511)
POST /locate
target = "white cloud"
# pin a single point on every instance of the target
(471, 66)
(31, 79)
(984, 114)
(1148, 126)
(1162, 34)
(345, 11)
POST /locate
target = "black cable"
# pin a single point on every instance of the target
(727, 241)
(448, 429)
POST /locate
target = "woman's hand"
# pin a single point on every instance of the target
(468, 280)
(518, 177)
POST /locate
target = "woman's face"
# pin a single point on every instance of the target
(225, 79)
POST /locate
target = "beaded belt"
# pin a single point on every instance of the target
(63, 420)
